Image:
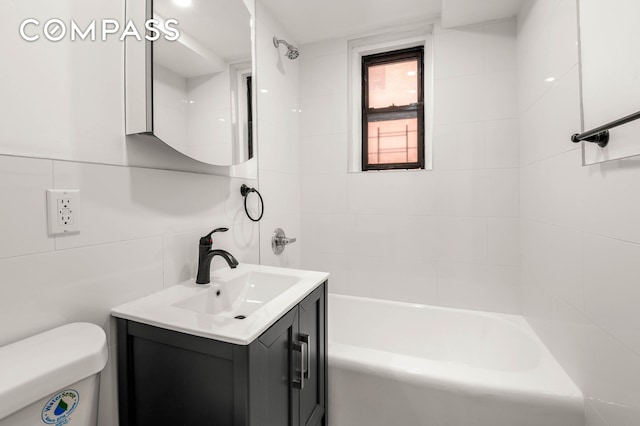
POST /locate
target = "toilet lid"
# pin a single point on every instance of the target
(35, 367)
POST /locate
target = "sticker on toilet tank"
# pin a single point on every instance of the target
(58, 409)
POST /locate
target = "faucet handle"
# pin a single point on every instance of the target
(279, 240)
(207, 240)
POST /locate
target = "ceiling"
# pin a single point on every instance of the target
(309, 21)
(457, 13)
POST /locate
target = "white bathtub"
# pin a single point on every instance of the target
(398, 364)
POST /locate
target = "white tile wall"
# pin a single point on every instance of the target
(501, 144)
(324, 193)
(580, 241)
(283, 157)
(462, 239)
(547, 41)
(459, 99)
(479, 286)
(478, 192)
(500, 46)
(154, 202)
(402, 280)
(448, 236)
(22, 184)
(323, 115)
(613, 184)
(327, 233)
(462, 53)
(391, 192)
(460, 146)
(370, 236)
(329, 153)
(560, 110)
(552, 195)
(45, 290)
(279, 116)
(611, 291)
(606, 370)
(413, 238)
(322, 77)
(503, 243)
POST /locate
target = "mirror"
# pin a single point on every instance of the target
(194, 93)
(609, 75)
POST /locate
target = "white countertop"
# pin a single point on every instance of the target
(158, 309)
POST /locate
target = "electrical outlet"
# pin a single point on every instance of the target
(63, 211)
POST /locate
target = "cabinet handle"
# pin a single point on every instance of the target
(300, 348)
(306, 341)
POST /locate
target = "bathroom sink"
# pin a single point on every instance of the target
(238, 296)
(236, 307)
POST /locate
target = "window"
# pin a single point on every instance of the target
(393, 110)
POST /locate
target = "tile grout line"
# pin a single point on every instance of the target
(578, 230)
(591, 321)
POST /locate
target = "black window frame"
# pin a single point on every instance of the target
(397, 112)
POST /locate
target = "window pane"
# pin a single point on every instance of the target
(393, 141)
(393, 84)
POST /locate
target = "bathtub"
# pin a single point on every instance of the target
(399, 364)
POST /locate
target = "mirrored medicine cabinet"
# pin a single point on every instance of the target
(609, 76)
(194, 93)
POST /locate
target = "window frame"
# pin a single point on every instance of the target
(413, 110)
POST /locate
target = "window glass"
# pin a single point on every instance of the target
(393, 84)
(393, 141)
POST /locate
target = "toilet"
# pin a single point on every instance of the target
(53, 378)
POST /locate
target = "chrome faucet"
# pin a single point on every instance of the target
(206, 255)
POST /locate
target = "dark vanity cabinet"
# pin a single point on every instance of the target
(280, 379)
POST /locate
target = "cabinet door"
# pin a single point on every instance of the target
(313, 334)
(171, 378)
(272, 374)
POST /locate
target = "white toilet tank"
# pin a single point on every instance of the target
(53, 378)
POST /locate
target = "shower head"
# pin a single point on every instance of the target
(292, 51)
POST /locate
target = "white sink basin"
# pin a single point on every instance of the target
(236, 307)
(238, 296)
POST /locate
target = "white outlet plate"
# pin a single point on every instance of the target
(63, 211)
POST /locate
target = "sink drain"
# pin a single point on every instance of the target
(240, 317)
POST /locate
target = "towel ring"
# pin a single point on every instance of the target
(245, 191)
